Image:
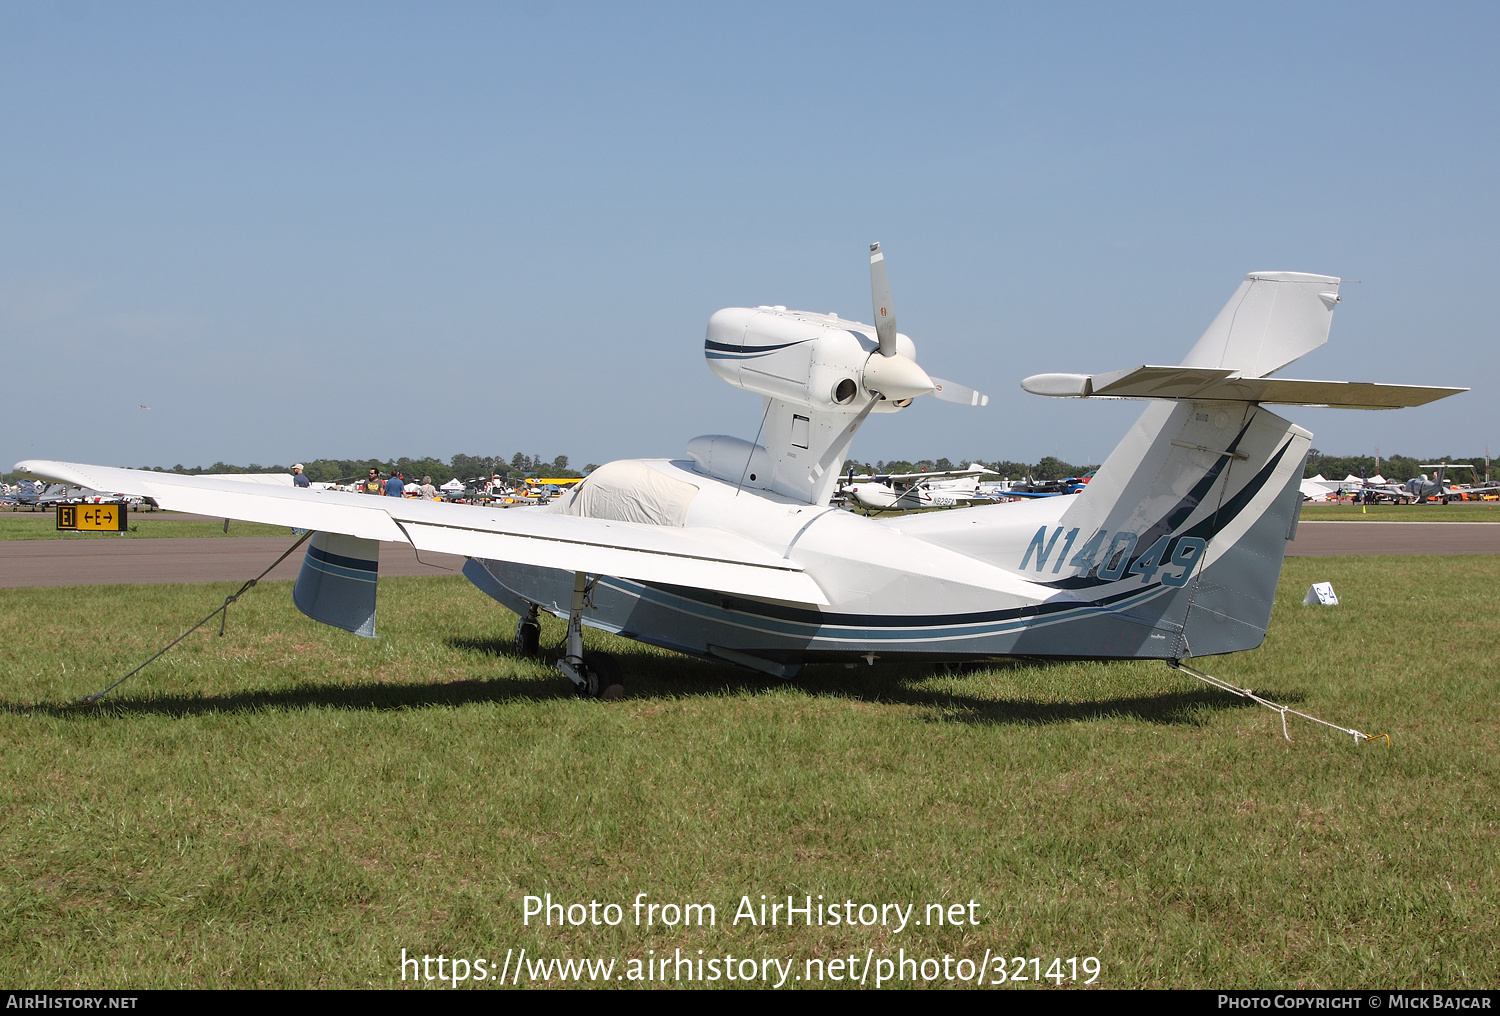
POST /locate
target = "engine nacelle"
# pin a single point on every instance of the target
(813, 360)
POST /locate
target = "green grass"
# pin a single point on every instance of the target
(1402, 512)
(143, 525)
(290, 806)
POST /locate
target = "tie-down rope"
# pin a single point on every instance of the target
(223, 608)
(1222, 685)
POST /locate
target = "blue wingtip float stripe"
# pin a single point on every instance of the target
(355, 563)
(336, 589)
(339, 571)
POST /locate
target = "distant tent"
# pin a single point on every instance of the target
(453, 484)
(1316, 487)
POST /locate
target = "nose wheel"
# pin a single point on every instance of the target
(528, 634)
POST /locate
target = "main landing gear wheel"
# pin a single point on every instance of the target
(528, 636)
(605, 681)
(597, 677)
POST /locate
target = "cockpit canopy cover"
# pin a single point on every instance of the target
(630, 491)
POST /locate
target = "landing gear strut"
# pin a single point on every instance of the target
(598, 677)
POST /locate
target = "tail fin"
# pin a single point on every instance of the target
(1203, 497)
(1272, 319)
(1207, 492)
(1186, 523)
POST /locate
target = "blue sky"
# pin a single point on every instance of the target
(356, 230)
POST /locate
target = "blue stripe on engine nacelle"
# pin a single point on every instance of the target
(337, 583)
(735, 347)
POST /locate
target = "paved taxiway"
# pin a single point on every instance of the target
(1327, 539)
(99, 562)
(91, 562)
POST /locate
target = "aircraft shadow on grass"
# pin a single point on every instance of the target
(651, 675)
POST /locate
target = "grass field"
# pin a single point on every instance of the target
(1403, 513)
(290, 806)
(43, 526)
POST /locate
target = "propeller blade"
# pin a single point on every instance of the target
(948, 391)
(880, 295)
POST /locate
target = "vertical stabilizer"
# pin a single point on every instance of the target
(1272, 319)
(1201, 498)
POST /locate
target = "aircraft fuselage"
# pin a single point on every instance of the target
(981, 581)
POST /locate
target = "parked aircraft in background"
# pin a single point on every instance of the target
(1374, 490)
(1028, 487)
(45, 496)
(907, 491)
(1437, 488)
(732, 552)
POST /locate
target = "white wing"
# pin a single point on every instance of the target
(697, 556)
(941, 474)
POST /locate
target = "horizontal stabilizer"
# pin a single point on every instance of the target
(1208, 384)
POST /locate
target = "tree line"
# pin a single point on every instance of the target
(1048, 469)
(464, 467)
(520, 465)
(1393, 467)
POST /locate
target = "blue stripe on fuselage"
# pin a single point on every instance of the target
(775, 619)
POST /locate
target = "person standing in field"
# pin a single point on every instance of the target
(427, 490)
(395, 487)
(372, 484)
(299, 478)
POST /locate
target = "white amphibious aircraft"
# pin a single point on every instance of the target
(734, 554)
(935, 489)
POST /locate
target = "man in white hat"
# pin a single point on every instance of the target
(299, 478)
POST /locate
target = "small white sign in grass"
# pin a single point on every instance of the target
(1321, 592)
